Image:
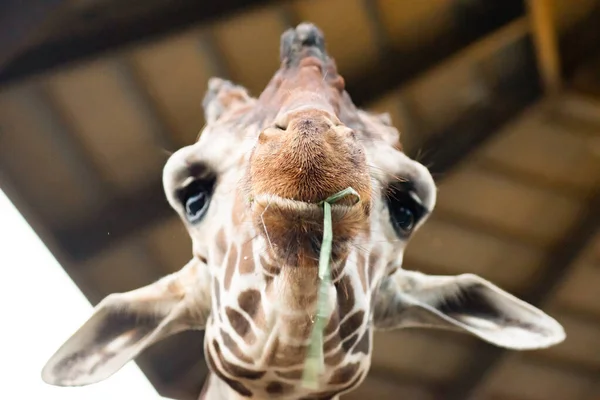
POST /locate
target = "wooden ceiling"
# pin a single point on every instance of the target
(501, 100)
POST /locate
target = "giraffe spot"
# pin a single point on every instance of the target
(235, 385)
(344, 374)
(250, 302)
(290, 374)
(355, 381)
(234, 348)
(246, 265)
(238, 211)
(286, 355)
(220, 241)
(349, 342)
(268, 281)
(361, 264)
(372, 267)
(333, 323)
(236, 370)
(278, 388)
(230, 265)
(345, 295)
(351, 324)
(335, 358)
(364, 343)
(391, 270)
(238, 387)
(240, 325)
(331, 343)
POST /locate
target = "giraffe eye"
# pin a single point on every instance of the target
(403, 218)
(195, 199)
(404, 208)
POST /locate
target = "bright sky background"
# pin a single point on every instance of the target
(40, 308)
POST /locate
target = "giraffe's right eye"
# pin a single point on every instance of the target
(404, 208)
(195, 199)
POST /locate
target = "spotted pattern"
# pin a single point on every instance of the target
(246, 262)
(230, 266)
(236, 385)
(364, 344)
(344, 374)
(240, 325)
(250, 301)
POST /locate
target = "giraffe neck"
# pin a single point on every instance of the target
(216, 389)
(257, 338)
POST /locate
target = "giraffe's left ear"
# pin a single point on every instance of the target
(465, 303)
(124, 324)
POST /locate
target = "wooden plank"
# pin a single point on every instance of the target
(110, 25)
(546, 44)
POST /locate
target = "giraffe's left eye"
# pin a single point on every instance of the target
(195, 199)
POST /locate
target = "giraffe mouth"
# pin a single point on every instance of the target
(294, 229)
(285, 205)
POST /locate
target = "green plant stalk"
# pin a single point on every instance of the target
(315, 359)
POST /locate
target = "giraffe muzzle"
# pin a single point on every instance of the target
(308, 157)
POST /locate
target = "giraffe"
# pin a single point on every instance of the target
(248, 191)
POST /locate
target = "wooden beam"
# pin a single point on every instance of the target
(105, 26)
(513, 92)
(546, 45)
(476, 22)
(21, 24)
(579, 43)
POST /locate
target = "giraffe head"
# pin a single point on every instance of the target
(262, 165)
(248, 192)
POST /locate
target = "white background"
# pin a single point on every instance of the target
(40, 307)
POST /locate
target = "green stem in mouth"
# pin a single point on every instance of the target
(315, 359)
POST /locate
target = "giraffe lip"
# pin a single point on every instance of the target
(284, 204)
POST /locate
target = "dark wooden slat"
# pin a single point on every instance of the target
(580, 43)
(473, 21)
(20, 23)
(512, 93)
(110, 25)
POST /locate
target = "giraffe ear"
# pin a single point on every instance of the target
(124, 324)
(466, 303)
(222, 95)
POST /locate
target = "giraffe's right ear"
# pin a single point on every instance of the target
(466, 303)
(124, 324)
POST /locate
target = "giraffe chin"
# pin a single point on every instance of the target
(294, 229)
